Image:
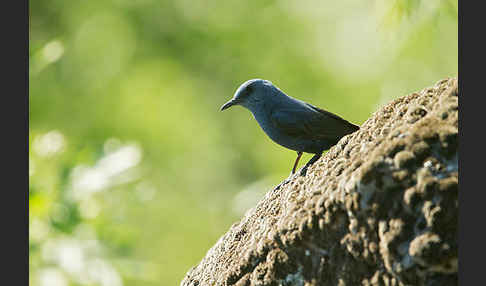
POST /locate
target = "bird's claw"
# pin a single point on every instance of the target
(303, 171)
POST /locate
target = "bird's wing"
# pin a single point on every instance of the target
(311, 122)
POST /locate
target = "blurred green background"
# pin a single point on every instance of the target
(134, 172)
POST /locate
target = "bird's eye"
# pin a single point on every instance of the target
(249, 90)
(246, 93)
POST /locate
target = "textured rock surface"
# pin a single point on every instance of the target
(380, 208)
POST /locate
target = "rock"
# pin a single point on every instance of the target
(379, 208)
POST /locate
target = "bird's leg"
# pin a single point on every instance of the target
(316, 157)
(299, 154)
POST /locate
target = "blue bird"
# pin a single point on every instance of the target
(290, 122)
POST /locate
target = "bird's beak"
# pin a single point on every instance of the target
(228, 104)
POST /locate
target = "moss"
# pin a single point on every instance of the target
(404, 159)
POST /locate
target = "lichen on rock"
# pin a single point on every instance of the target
(379, 208)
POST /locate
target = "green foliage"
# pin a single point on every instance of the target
(134, 173)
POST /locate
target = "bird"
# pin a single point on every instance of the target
(290, 122)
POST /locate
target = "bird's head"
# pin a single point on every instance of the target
(250, 93)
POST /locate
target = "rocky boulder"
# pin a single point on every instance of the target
(379, 208)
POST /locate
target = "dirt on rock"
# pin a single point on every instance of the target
(379, 208)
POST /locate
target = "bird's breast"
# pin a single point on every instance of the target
(290, 142)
